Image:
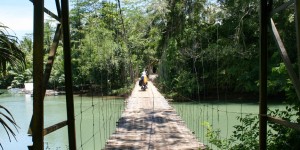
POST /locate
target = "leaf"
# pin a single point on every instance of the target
(11, 120)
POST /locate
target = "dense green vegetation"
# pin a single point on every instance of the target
(245, 135)
(213, 49)
(11, 56)
(198, 48)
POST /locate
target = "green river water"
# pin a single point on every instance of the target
(101, 119)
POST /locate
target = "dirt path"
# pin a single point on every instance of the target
(149, 122)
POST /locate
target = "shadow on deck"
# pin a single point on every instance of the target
(149, 122)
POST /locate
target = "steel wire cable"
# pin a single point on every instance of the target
(104, 105)
(213, 109)
(203, 108)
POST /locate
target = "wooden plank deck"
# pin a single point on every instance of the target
(149, 122)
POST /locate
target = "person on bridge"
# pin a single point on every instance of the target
(143, 80)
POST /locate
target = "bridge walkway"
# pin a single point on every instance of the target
(149, 122)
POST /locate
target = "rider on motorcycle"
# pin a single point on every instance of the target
(143, 80)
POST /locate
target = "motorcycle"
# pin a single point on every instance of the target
(143, 83)
(144, 87)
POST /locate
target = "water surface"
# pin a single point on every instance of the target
(95, 120)
(221, 115)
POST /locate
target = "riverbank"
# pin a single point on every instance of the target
(30, 92)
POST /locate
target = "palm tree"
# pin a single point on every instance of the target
(9, 54)
(9, 51)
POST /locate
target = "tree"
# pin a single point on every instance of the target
(9, 51)
(12, 55)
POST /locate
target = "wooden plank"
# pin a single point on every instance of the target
(286, 59)
(149, 122)
(49, 66)
(282, 7)
(47, 11)
(51, 57)
(285, 123)
(58, 8)
(55, 127)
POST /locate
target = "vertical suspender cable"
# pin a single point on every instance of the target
(101, 94)
(125, 39)
(92, 88)
(204, 97)
(82, 84)
(212, 111)
(80, 125)
(93, 105)
(226, 111)
(218, 94)
(297, 24)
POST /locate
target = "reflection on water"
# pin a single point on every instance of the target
(94, 125)
(21, 110)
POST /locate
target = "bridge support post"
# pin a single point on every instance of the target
(68, 74)
(41, 77)
(264, 17)
(38, 55)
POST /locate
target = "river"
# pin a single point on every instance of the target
(221, 115)
(101, 119)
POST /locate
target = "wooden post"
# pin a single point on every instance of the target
(286, 59)
(68, 74)
(264, 17)
(38, 55)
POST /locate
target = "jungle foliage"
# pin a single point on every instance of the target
(199, 48)
(208, 49)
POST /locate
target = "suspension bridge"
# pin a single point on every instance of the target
(148, 121)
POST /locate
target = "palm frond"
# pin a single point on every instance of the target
(11, 120)
(10, 53)
(6, 118)
(7, 111)
(7, 129)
